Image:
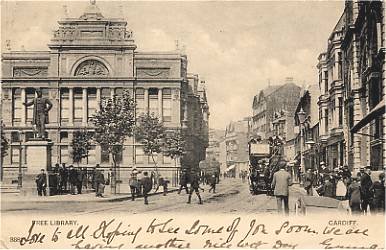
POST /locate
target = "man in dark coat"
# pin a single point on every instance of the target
(378, 191)
(41, 183)
(194, 187)
(280, 183)
(366, 183)
(328, 189)
(72, 178)
(147, 185)
(99, 184)
(79, 182)
(354, 196)
(183, 182)
(41, 108)
(212, 182)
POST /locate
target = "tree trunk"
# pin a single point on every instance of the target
(114, 176)
(156, 172)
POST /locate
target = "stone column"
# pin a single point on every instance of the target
(85, 106)
(71, 105)
(112, 92)
(160, 105)
(146, 101)
(24, 108)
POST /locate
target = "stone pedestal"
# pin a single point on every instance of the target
(38, 156)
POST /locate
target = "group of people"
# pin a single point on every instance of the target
(71, 180)
(360, 190)
(141, 184)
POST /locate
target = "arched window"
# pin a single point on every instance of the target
(91, 68)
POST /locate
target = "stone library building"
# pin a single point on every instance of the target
(89, 58)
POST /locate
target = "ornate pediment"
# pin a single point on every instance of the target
(91, 68)
(30, 71)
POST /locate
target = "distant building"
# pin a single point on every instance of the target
(269, 101)
(308, 102)
(236, 144)
(213, 149)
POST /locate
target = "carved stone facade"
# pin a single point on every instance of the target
(90, 58)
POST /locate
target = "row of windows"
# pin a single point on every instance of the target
(65, 156)
(91, 103)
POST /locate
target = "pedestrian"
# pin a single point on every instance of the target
(280, 183)
(346, 175)
(213, 183)
(366, 183)
(165, 184)
(79, 182)
(328, 189)
(85, 177)
(183, 182)
(354, 196)
(133, 183)
(378, 191)
(73, 179)
(139, 177)
(341, 189)
(309, 181)
(146, 185)
(194, 187)
(99, 180)
(41, 183)
(65, 177)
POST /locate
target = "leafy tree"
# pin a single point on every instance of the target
(150, 132)
(81, 144)
(114, 122)
(174, 146)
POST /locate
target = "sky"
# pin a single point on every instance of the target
(236, 47)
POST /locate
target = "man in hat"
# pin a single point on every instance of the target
(366, 183)
(280, 183)
(194, 187)
(147, 185)
(354, 196)
(41, 183)
(40, 112)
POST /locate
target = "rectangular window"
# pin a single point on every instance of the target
(326, 119)
(15, 137)
(340, 100)
(119, 92)
(64, 105)
(64, 155)
(167, 159)
(105, 92)
(105, 156)
(153, 101)
(167, 105)
(92, 155)
(29, 136)
(78, 104)
(325, 81)
(15, 157)
(92, 102)
(340, 69)
(17, 105)
(30, 95)
(140, 101)
(139, 155)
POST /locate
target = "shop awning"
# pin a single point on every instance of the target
(374, 113)
(231, 167)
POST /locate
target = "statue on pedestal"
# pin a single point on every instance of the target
(42, 106)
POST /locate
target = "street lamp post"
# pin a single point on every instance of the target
(302, 118)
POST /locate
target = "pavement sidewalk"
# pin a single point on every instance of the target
(85, 197)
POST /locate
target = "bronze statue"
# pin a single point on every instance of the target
(40, 114)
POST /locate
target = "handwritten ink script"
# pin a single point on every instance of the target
(185, 232)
